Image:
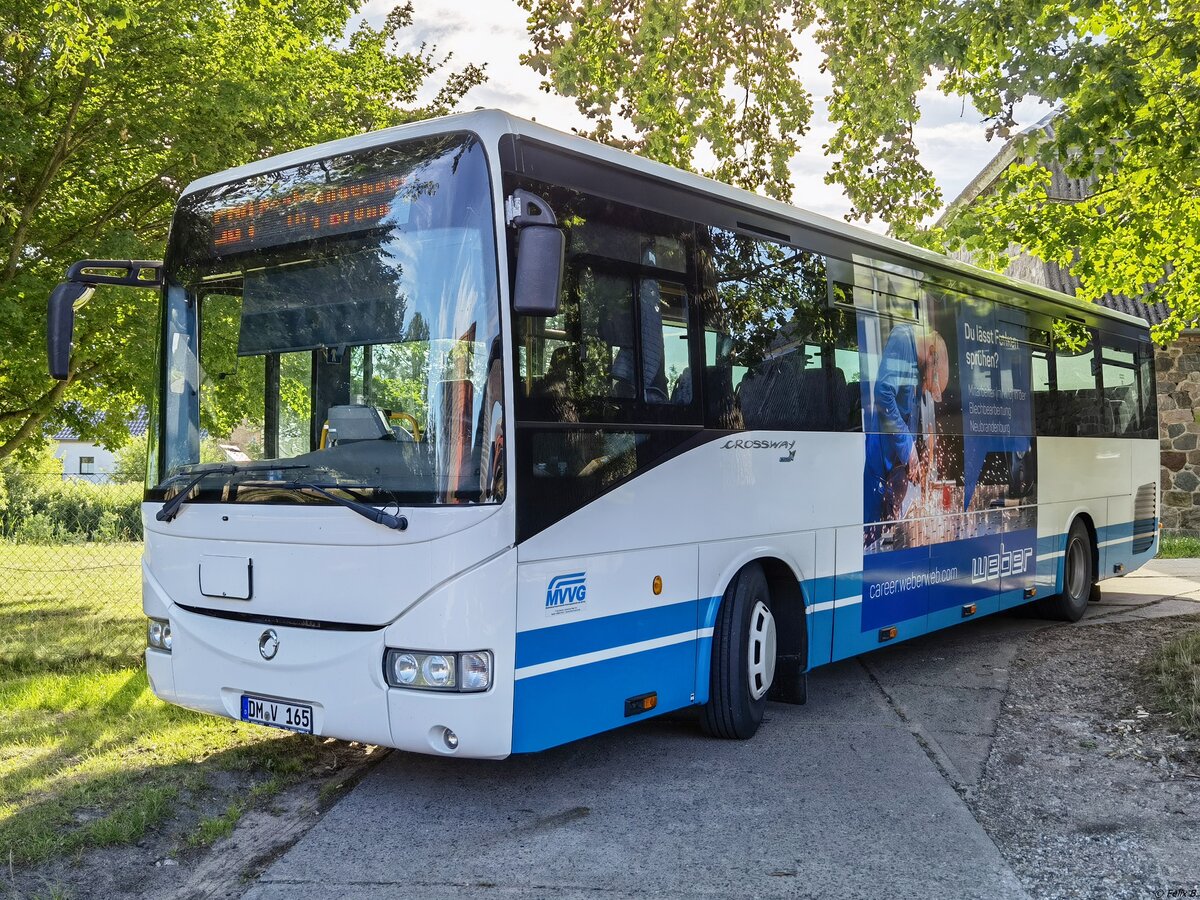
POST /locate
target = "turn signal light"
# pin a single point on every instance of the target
(641, 703)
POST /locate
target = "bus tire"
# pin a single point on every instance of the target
(1079, 582)
(743, 658)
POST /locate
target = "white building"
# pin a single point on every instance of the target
(87, 461)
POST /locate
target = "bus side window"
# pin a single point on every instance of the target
(778, 356)
(1119, 377)
(1045, 395)
(1147, 391)
(1078, 411)
(619, 350)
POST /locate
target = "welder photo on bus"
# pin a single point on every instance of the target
(914, 370)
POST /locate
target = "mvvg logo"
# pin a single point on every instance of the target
(566, 593)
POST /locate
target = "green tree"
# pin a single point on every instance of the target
(691, 79)
(108, 109)
(722, 79)
(1125, 81)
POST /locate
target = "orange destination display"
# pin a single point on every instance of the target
(307, 212)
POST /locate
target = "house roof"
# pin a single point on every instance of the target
(1067, 187)
(138, 424)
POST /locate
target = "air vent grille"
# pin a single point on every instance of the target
(1145, 517)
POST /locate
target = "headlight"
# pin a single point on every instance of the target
(405, 668)
(158, 634)
(464, 672)
(438, 671)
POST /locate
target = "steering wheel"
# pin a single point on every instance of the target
(416, 429)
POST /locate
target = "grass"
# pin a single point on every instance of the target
(1175, 671)
(66, 605)
(212, 828)
(88, 756)
(1176, 547)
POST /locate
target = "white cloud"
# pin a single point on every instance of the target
(492, 32)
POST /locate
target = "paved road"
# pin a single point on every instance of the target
(851, 795)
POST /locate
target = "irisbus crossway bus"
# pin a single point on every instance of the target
(545, 438)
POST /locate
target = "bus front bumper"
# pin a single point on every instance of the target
(214, 661)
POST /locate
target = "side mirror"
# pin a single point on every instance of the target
(71, 294)
(64, 300)
(540, 253)
(541, 250)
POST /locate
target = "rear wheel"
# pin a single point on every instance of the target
(743, 657)
(1079, 580)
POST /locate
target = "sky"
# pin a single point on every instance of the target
(950, 136)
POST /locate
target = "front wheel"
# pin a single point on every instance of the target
(743, 658)
(1078, 578)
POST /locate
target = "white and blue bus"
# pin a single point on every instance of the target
(535, 438)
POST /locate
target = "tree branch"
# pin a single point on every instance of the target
(58, 156)
(37, 412)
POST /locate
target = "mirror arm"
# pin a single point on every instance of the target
(524, 208)
(143, 273)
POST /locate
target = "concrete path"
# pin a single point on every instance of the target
(851, 795)
(836, 798)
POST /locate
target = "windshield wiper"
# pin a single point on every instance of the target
(170, 509)
(399, 523)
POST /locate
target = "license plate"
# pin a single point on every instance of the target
(277, 714)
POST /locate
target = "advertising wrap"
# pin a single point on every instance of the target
(949, 481)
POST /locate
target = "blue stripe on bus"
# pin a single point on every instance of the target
(570, 639)
(1115, 532)
(1051, 543)
(582, 700)
(848, 585)
(589, 635)
(572, 703)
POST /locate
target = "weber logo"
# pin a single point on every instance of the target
(1004, 564)
(566, 593)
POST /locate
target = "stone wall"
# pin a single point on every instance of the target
(1178, 374)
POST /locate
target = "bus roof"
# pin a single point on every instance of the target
(492, 124)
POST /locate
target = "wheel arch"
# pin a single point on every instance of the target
(788, 606)
(1086, 518)
(791, 630)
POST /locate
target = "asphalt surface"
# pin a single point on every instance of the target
(855, 794)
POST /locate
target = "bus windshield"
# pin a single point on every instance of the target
(340, 317)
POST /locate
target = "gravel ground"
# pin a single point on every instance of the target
(1087, 792)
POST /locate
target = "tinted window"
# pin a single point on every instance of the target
(1073, 408)
(564, 469)
(619, 350)
(1119, 379)
(778, 353)
(1147, 391)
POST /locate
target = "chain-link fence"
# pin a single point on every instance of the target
(70, 585)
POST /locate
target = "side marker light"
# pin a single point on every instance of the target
(641, 703)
